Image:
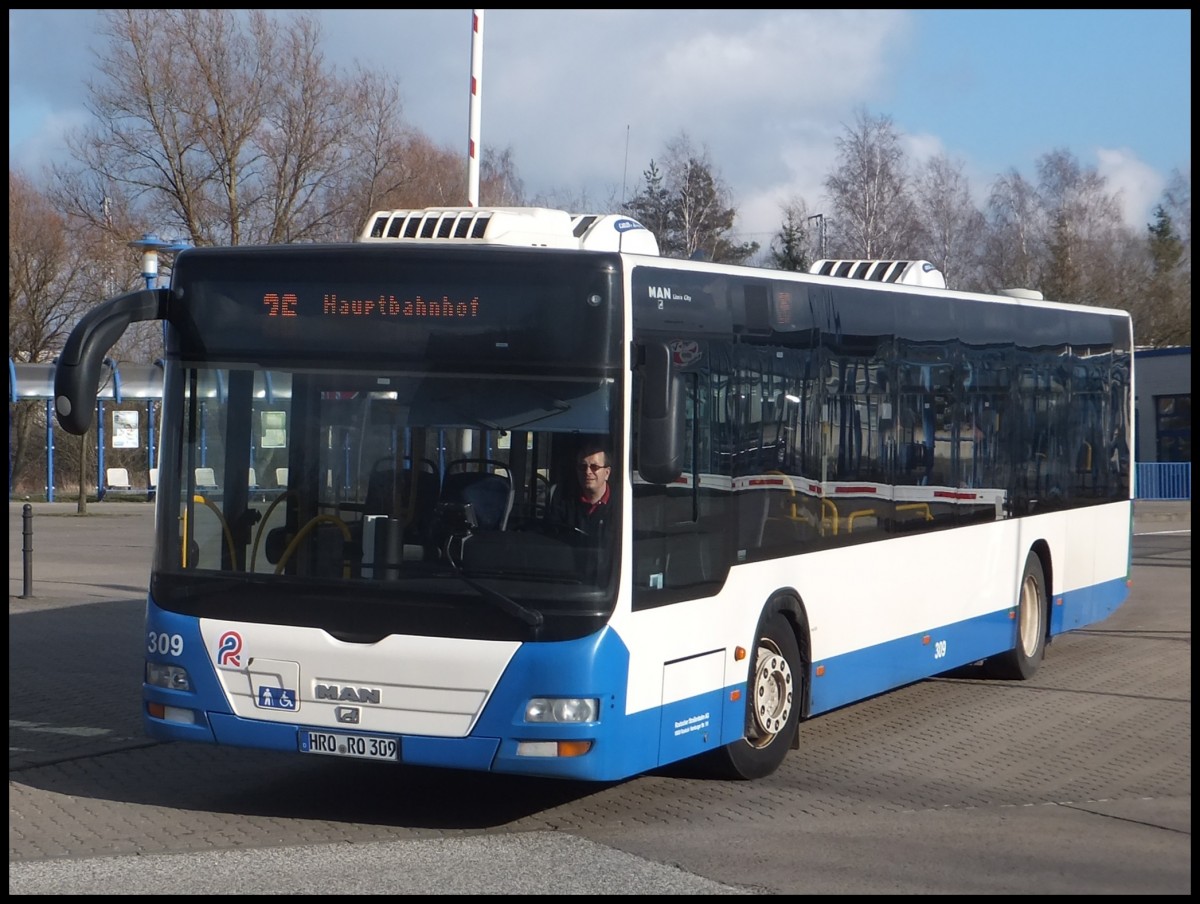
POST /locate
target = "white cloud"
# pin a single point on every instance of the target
(807, 157)
(920, 149)
(1138, 186)
(763, 91)
(585, 98)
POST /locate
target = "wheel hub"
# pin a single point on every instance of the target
(772, 697)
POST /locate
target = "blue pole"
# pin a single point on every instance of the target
(150, 433)
(49, 450)
(99, 451)
(150, 418)
(12, 399)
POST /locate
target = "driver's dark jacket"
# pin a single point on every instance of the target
(592, 519)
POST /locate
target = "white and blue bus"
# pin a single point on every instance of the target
(824, 487)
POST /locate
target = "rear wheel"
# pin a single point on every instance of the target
(1020, 663)
(772, 708)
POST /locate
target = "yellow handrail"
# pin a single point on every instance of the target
(916, 506)
(795, 509)
(858, 514)
(224, 529)
(834, 516)
(263, 524)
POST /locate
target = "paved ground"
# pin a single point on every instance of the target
(858, 816)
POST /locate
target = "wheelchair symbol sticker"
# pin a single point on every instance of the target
(276, 698)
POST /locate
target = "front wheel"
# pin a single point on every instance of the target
(774, 695)
(1020, 663)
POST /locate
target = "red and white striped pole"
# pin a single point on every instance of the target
(476, 79)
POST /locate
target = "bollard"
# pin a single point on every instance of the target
(27, 549)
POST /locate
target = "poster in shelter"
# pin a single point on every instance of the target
(125, 430)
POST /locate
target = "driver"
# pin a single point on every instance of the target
(589, 509)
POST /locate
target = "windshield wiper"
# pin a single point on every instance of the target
(531, 617)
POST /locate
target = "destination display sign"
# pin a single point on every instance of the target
(382, 307)
(360, 303)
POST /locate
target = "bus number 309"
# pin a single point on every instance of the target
(939, 649)
(164, 644)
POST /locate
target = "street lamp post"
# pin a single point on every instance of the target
(151, 246)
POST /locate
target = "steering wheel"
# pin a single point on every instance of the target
(306, 530)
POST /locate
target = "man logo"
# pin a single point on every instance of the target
(347, 714)
(346, 694)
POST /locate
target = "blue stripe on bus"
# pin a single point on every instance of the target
(205, 697)
(624, 745)
(1087, 606)
(873, 670)
(593, 666)
(598, 665)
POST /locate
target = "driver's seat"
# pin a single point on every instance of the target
(489, 493)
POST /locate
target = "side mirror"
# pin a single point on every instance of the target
(77, 374)
(661, 417)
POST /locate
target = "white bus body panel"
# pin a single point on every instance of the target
(427, 685)
(912, 586)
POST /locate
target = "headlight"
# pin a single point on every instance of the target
(562, 709)
(172, 677)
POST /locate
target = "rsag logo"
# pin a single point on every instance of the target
(229, 649)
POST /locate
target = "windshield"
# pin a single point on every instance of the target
(371, 502)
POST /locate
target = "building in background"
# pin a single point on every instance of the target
(1163, 412)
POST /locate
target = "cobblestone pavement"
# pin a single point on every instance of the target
(1077, 782)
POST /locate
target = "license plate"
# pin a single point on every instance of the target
(363, 747)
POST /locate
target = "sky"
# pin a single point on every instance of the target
(585, 99)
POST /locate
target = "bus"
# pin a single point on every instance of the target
(825, 486)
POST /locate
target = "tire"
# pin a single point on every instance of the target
(774, 694)
(1022, 661)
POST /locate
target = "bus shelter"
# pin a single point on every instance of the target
(116, 429)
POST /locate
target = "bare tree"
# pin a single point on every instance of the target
(499, 183)
(48, 280)
(229, 127)
(950, 224)
(1016, 231)
(391, 166)
(873, 214)
(47, 276)
(438, 174)
(702, 208)
(376, 170)
(1083, 222)
(299, 140)
(698, 195)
